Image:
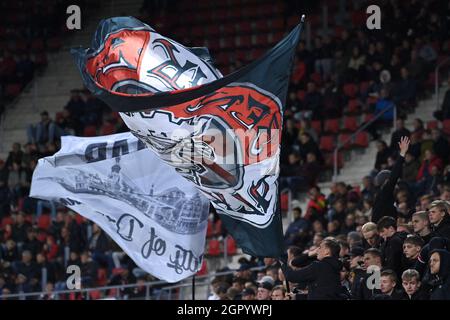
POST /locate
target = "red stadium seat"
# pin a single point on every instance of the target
(218, 227)
(284, 201)
(102, 278)
(368, 117)
(363, 87)
(107, 128)
(350, 90)
(353, 106)
(362, 140)
(90, 131)
(331, 126)
(209, 229)
(79, 219)
(95, 295)
(231, 246)
(342, 138)
(327, 143)
(214, 248)
(317, 126)
(350, 124)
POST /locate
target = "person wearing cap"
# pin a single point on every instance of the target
(322, 276)
(244, 272)
(386, 181)
(248, 294)
(264, 289)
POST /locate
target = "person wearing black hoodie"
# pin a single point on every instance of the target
(424, 256)
(392, 247)
(439, 279)
(322, 276)
(439, 219)
(386, 181)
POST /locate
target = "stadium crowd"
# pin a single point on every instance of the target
(339, 236)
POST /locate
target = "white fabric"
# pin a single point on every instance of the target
(157, 217)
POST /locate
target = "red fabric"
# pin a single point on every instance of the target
(435, 161)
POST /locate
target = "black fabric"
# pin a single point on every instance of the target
(322, 277)
(384, 200)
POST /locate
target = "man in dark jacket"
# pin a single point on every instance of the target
(412, 289)
(392, 247)
(440, 279)
(360, 289)
(386, 180)
(439, 219)
(322, 276)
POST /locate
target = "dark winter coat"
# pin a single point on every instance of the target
(322, 277)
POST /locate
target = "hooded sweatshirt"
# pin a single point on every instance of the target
(440, 282)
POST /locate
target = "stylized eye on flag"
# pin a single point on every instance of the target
(220, 133)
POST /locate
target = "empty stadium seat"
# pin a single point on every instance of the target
(350, 90)
(327, 143)
(353, 107)
(213, 248)
(231, 246)
(342, 138)
(350, 124)
(331, 126)
(362, 140)
(102, 277)
(210, 229)
(317, 126)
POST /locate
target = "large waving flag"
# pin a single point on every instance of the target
(220, 133)
(158, 218)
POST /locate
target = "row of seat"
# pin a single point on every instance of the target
(216, 248)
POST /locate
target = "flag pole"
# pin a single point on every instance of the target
(193, 287)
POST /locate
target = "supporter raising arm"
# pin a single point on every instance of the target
(386, 180)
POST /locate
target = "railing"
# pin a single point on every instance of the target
(178, 291)
(360, 129)
(436, 79)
